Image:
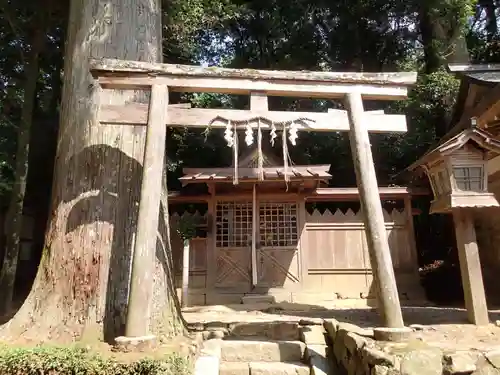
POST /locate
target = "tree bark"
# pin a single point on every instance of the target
(14, 217)
(82, 285)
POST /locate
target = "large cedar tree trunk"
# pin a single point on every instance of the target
(81, 289)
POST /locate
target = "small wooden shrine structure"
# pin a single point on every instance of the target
(456, 170)
(266, 237)
(281, 248)
(464, 172)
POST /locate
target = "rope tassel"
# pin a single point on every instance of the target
(235, 156)
(260, 156)
(285, 154)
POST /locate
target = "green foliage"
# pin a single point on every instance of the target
(186, 227)
(80, 361)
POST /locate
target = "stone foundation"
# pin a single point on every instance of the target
(357, 353)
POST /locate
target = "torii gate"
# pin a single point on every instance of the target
(161, 79)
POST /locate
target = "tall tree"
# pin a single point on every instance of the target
(15, 213)
(82, 283)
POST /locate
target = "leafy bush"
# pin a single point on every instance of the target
(80, 361)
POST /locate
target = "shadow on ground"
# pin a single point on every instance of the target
(361, 316)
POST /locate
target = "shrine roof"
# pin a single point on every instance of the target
(295, 172)
(480, 137)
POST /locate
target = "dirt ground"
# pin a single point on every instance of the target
(439, 326)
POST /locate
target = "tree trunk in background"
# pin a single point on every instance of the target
(442, 45)
(81, 289)
(14, 217)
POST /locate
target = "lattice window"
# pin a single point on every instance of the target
(469, 178)
(278, 224)
(234, 224)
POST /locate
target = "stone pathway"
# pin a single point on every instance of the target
(443, 327)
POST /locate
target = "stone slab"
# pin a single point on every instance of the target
(312, 335)
(271, 330)
(133, 344)
(319, 365)
(262, 351)
(234, 368)
(460, 362)
(422, 362)
(206, 365)
(262, 368)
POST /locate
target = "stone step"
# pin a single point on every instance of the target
(274, 330)
(262, 351)
(251, 299)
(263, 368)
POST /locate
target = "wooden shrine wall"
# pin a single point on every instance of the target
(338, 259)
(334, 262)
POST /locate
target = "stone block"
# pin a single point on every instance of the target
(312, 335)
(462, 362)
(135, 344)
(276, 368)
(375, 357)
(234, 368)
(319, 366)
(262, 351)
(354, 342)
(422, 362)
(331, 327)
(311, 321)
(348, 327)
(316, 351)
(392, 334)
(352, 365)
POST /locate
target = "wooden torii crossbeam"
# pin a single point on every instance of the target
(161, 79)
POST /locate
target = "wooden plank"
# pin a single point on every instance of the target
(258, 101)
(141, 284)
(349, 193)
(137, 114)
(337, 194)
(110, 66)
(470, 268)
(376, 234)
(232, 86)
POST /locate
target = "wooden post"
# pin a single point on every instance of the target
(376, 235)
(254, 235)
(470, 268)
(185, 274)
(411, 234)
(141, 283)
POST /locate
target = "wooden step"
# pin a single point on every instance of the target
(264, 368)
(262, 351)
